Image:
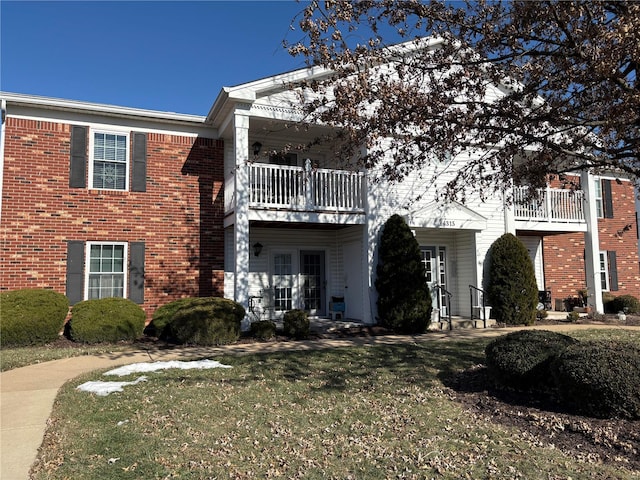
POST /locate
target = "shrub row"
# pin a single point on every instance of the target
(623, 303)
(199, 321)
(31, 316)
(594, 378)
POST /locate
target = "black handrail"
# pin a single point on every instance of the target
(448, 295)
(483, 316)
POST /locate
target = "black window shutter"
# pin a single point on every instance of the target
(78, 157)
(139, 182)
(75, 271)
(613, 271)
(136, 272)
(607, 201)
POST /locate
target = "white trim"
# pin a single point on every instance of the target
(87, 268)
(118, 132)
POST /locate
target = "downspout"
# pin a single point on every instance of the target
(3, 113)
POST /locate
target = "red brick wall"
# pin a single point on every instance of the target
(179, 217)
(564, 253)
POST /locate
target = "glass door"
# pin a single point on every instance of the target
(312, 277)
(435, 263)
(283, 281)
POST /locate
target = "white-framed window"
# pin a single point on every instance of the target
(109, 160)
(106, 271)
(604, 271)
(598, 197)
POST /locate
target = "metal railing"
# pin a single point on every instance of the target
(446, 294)
(477, 301)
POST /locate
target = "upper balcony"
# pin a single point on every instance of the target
(553, 209)
(300, 194)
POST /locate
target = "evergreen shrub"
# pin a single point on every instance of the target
(205, 321)
(296, 324)
(263, 329)
(600, 378)
(163, 316)
(110, 320)
(31, 316)
(512, 290)
(522, 359)
(404, 300)
(625, 303)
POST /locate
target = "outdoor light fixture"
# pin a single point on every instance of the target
(257, 248)
(256, 148)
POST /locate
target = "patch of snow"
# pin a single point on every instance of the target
(154, 366)
(103, 389)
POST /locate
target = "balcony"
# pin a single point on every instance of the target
(554, 209)
(277, 191)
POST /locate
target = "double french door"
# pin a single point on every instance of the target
(299, 281)
(434, 259)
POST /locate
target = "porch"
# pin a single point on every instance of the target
(550, 209)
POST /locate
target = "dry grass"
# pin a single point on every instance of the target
(365, 412)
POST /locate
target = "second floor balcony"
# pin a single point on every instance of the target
(550, 209)
(275, 191)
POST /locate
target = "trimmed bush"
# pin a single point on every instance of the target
(163, 316)
(522, 359)
(513, 291)
(206, 321)
(263, 329)
(600, 378)
(31, 316)
(624, 303)
(106, 320)
(296, 324)
(404, 300)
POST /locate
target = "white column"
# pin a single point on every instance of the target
(592, 243)
(241, 227)
(509, 216)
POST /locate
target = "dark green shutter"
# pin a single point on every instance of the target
(607, 201)
(613, 271)
(136, 272)
(78, 157)
(75, 271)
(139, 181)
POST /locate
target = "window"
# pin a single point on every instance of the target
(604, 272)
(106, 270)
(598, 197)
(608, 271)
(109, 166)
(604, 201)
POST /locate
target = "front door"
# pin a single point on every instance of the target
(435, 263)
(312, 280)
(283, 282)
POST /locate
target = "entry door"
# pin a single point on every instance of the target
(435, 263)
(283, 282)
(312, 278)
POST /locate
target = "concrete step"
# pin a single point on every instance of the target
(461, 322)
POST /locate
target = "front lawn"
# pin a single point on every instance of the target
(361, 412)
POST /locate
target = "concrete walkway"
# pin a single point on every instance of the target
(28, 393)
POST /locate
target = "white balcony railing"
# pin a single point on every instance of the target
(300, 188)
(553, 205)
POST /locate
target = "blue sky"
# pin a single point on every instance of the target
(160, 55)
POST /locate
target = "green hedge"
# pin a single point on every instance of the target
(203, 321)
(522, 359)
(263, 330)
(600, 378)
(623, 303)
(296, 324)
(106, 320)
(31, 316)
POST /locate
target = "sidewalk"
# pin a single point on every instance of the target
(27, 394)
